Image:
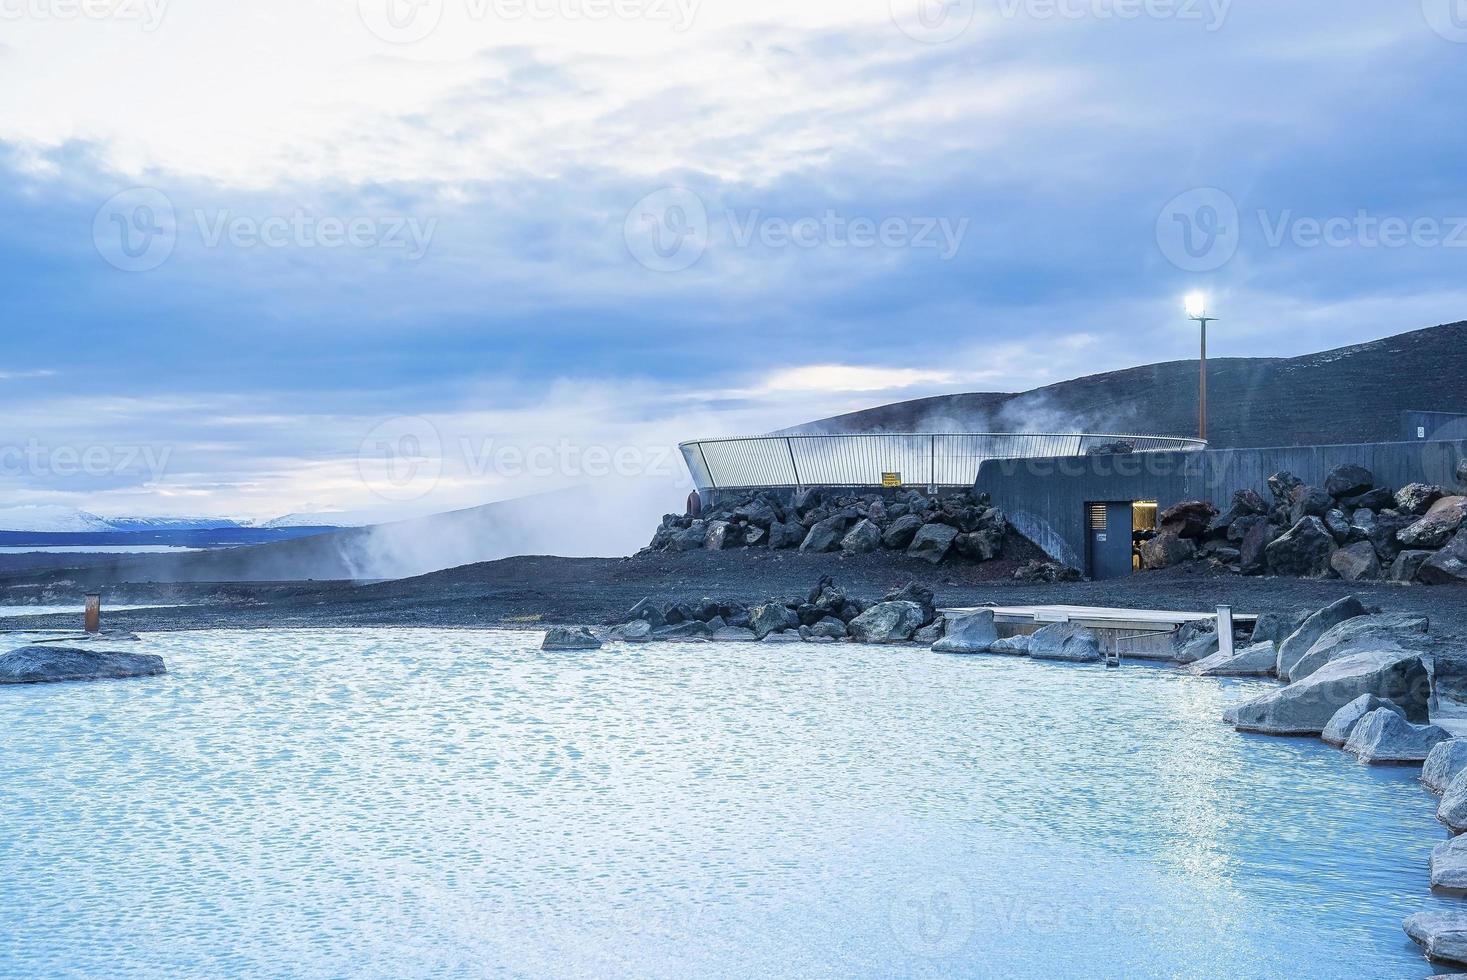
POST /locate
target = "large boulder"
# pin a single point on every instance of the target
(1303, 551)
(862, 539)
(1188, 519)
(1254, 661)
(887, 622)
(1408, 565)
(1342, 723)
(1276, 627)
(827, 628)
(1383, 737)
(1362, 525)
(772, 617)
(1347, 480)
(1448, 566)
(690, 538)
(1065, 641)
(826, 534)
(980, 546)
(1306, 707)
(1438, 526)
(900, 532)
(1253, 548)
(782, 535)
(1417, 498)
(570, 638)
(918, 593)
(1012, 646)
(1388, 526)
(1204, 645)
(1305, 501)
(44, 664)
(1356, 562)
(1338, 525)
(1452, 810)
(1449, 862)
(1378, 499)
(1403, 631)
(932, 542)
(1281, 486)
(758, 512)
(969, 633)
(721, 535)
(1441, 935)
(636, 631)
(1446, 761)
(1166, 549)
(1297, 644)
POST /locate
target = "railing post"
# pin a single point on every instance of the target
(789, 445)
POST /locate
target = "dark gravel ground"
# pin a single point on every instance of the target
(533, 589)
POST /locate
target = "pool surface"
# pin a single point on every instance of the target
(437, 803)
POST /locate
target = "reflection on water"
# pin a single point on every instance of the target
(426, 802)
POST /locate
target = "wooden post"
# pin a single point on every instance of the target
(94, 614)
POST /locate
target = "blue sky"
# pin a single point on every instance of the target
(550, 223)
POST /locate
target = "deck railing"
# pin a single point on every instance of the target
(904, 459)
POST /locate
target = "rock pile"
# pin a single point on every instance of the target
(1350, 528)
(961, 527)
(44, 664)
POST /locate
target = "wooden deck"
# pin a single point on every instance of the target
(1099, 617)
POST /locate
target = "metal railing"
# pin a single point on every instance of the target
(905, 459)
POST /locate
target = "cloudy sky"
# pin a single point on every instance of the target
(251, 251)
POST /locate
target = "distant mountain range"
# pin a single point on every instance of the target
(51, 519)
(1353, 394)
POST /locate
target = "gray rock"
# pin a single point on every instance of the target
(690, 538)
(1417, 498)
(900, 532)
(44, 664)
(1438, 526)
(1201, 647)
(1012, 646)
(826, 535)
(862, 539)
(688, 629)
(755, 536)
(788, 637)
(1297, 644)
(1408, 564)
(1356, 562)
(720, 535)
(772, 617)
(1449, 864)
(1443, 765)
(970, 633)
(1362, 525)
(1342, 723)
(1307, 501)
(980, 546)
(932, 632)
(1338, 525)
(1255, 661)
(757, 512)
(1448, 566)
(1306, 707)
(1383, 737)
(932, 541)
(1389, 524)
(570, 638)
(1404, 631)
(1378, 499)
(1303, 551)
(1168, 548)
(1276, 627)
(1253, 548)
(1188, 519)
(1462, 474)
(734, 634)
(1441, 935)
(1348, 479)
(829, 627)
(918, 593)
(887, 622)
(1065, 641)
(637, 631)
(1452, 810)
(783, 536)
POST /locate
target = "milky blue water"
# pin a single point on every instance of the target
(436, 803)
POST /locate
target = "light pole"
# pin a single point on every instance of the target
(1197, 310)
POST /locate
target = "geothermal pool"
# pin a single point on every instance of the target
(440, 803)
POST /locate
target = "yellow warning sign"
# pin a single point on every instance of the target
(891, 479)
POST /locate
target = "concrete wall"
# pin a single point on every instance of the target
(1045, 498)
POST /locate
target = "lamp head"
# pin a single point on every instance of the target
(1196, 306)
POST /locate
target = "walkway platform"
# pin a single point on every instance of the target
(1099, 617)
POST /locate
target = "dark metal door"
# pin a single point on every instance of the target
(1109, 540)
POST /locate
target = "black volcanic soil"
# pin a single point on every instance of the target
(524, 591)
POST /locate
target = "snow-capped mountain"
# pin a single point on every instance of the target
(50, 518)
(329, 519)
(171, 523)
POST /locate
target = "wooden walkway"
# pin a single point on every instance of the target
(1099, 617)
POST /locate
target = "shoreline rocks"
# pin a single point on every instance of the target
(1441, 935)
(1342, 723)
(1066, 642)
(1445, 763)
(46, 664)
(569, 638)
(1383, 737)
(972, 633)
(1306, 707)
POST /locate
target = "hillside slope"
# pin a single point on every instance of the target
(1353, 394)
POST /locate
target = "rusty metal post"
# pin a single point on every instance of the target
(94, 614)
